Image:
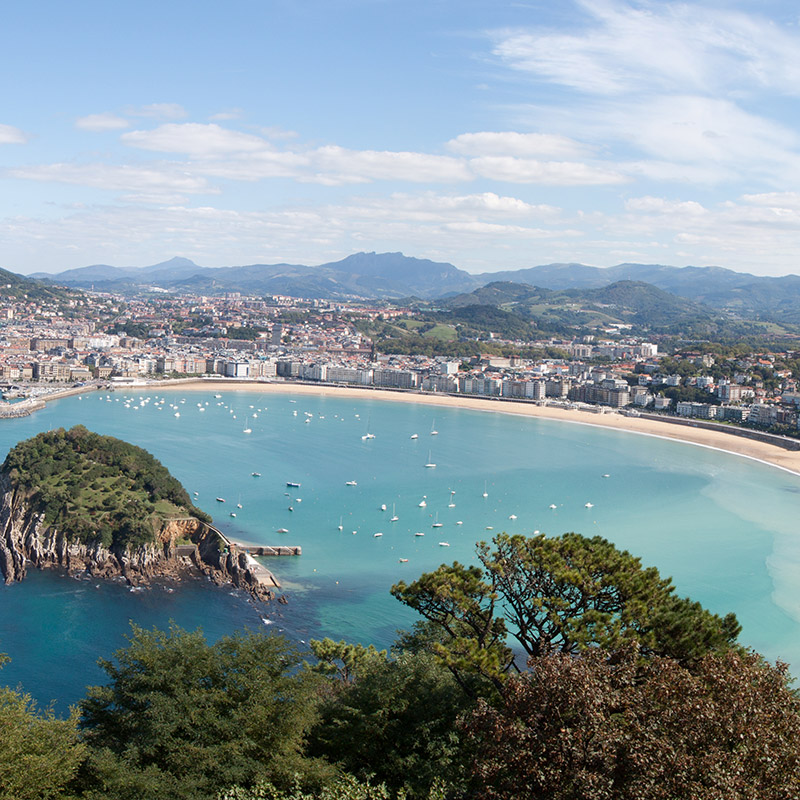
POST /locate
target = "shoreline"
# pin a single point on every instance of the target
(763, 452)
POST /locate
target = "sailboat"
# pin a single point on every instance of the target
(341, 527)
(434, 432)
(368, 435)
(394, 516)
(437, 524)
(485, 493)
(430, 464)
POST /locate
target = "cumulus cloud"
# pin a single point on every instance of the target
(546, 173)
(338, 163)
(512, 143)
(194, 139)
(11, 135)
(101, 122)
(152, 180)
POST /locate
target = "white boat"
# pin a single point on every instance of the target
(588, 505)
(290, 483)
(367, 436)
(256, 474)
(394, 516)
(444, 544)
(459, 522)
(340, 524)
(434, 432)
(437, 524)
(553, 506)
(512, 516)
(283, 530)
(430, 464)
(485, 493)
(422, 502)
(403, 560)
(247, 430)
(233, 513)
(415, 436)
(383, 506)
(177, 413)
(350, 483)
(451, 505)
(376, 535)
(606, 475)
(419, 533)
(220, 499)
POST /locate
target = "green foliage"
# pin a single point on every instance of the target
(395, 722)
(341, 660)
(566, 594)
(184, 719)
(95, 488)
(344, 788)
(39, 753)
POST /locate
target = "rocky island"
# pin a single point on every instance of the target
(99, 506)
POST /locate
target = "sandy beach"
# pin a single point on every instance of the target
(767, 453)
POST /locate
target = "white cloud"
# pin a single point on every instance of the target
(546, 173)
(337, 164)
(158, 111)
(195, 139)
(101, 122)
(511, 143)
(660, 205)
(153, 180)
(12, 135)
(657, 46)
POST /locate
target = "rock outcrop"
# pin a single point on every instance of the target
(26, 539)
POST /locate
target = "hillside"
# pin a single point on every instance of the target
(642, 306)
(96, 490)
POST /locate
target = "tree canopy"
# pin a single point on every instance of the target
(184, 719)
(96, 488)
(611, 725)
(563, 593)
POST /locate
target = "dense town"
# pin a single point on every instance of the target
(96, 337)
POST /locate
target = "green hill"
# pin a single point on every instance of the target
(96, 489)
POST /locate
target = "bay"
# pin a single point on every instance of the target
(720, 525)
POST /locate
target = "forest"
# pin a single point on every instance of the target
(558, 667)
(96, 489)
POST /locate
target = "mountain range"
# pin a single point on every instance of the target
(388, 276)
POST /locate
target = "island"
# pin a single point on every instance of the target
(100, 507)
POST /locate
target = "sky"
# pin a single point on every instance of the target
(496, 134)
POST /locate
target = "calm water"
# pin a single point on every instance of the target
(723, 527)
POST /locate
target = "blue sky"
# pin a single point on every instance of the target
(493, 135)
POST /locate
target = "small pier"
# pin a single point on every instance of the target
(267, 550)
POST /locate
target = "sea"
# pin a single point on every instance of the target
(387, 491)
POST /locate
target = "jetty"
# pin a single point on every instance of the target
(263, 576)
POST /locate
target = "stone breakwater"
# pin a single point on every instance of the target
(22, 409)
(27, 540)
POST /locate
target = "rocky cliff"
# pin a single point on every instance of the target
(26, 539)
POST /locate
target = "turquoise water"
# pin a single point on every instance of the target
(723, 527)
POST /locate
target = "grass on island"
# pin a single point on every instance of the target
(97, 489)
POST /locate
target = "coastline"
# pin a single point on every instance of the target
(764, 452)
